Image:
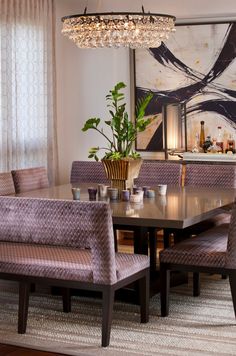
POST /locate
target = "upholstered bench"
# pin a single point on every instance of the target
(68, 244)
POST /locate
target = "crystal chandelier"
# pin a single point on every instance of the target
(118, 29)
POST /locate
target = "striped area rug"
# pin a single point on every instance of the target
(196, 326)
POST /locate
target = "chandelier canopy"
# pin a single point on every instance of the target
(118, 29)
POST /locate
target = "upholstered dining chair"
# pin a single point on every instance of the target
(30, 179)
(209, 175)
(88, 171)
(155, 172)
(6, 184)
(213, 251)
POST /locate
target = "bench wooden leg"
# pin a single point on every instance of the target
(107, 309)
(144, 297)
(66, 300)
(232, 281)
(165, 289)
(24, 290)
(196, 284)
(115, 238)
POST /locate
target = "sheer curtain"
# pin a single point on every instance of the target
(27, 82)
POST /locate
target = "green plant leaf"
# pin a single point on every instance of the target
(91, 123)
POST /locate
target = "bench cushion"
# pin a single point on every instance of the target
(61, 262)
(207, 249)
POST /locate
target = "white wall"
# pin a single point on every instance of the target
(84, 76)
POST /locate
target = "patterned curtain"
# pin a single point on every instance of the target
(27, 82)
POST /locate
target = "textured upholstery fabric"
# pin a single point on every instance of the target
(68, 227)
(155, 172)
(231, 246)
(211, 175)
(85, 171)
(61, 262)
(6, 184)
(30, 179)
(208, 249)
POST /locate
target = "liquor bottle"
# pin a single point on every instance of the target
(230, 149)
(207, 143)
(196, 148)
(230, 142)
(214, 148)
(219, 140)
(202, 134)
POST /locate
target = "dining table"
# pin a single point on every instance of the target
(179, 208)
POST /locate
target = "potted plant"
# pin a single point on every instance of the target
(121, 162)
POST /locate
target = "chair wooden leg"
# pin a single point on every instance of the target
(32, 288)
(144, 297)
(66, 300)
(166, 238)
(232, 281)
(107, 309)
(165, 289)
(153, 248)
(115, 238)
(24, 291)
(196, 284)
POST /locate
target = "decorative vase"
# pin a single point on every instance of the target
(122, 172)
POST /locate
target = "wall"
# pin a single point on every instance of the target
(84, 76)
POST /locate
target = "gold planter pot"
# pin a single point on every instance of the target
(122, 172)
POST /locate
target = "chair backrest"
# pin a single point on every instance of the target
(62, 223)
(210, 175)
(231, 246)
(157, 172)
(88, 171)
(30, 179)
(6, 184)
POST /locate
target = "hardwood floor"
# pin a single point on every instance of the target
(7, 350)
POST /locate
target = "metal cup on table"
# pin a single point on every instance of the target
(145, 189)
(125, 194)
(92, 193)
(102, 190)
(113, 193)
(161, 189)
(75, 193)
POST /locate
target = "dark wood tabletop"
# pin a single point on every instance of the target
(179, 208)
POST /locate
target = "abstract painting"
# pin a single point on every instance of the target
(197, 66)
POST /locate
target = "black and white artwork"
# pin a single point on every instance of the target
(197, 66)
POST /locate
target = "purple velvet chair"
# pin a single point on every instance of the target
(88, 171)
(30, 179)
(6, 184)
(213, 251)
(211, 175)
(67, 244)
(159, 172)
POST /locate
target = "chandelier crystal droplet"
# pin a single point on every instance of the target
(134, 30)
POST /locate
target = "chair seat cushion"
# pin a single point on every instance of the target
(207, 249)
(61, 262)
